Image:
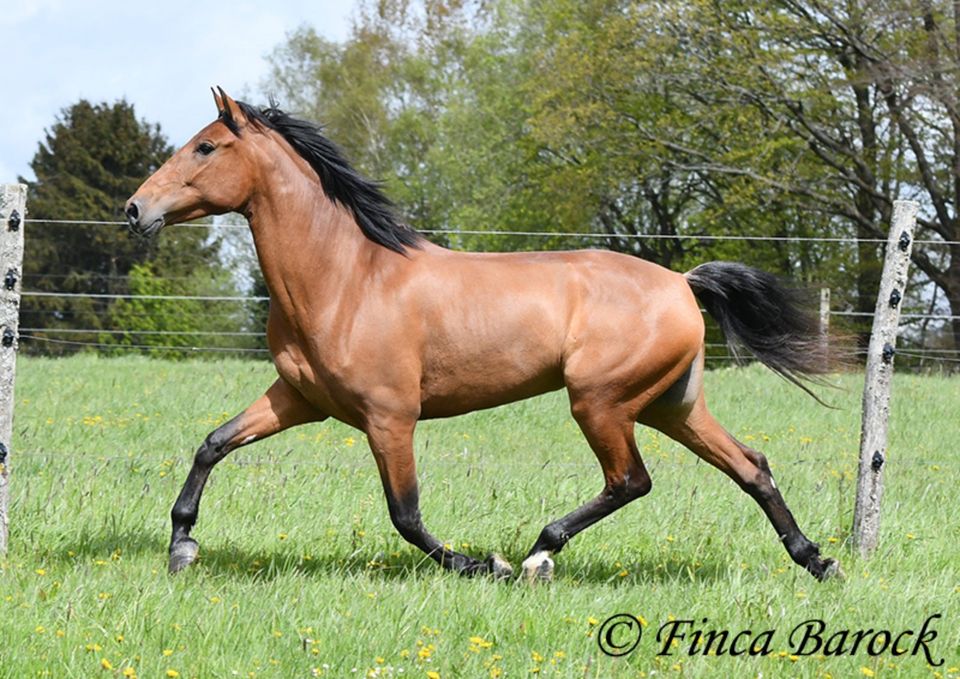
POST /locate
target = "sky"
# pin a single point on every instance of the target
(162, 57)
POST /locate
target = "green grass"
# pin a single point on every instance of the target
(302, 573)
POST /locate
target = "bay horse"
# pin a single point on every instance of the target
(375, 326)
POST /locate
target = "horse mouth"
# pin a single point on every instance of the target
(149, 230)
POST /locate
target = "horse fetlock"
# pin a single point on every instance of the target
(183, 552)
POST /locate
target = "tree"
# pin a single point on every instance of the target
(869, 93)
(91, 161)
(679, 122)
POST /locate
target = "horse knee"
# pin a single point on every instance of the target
(630, 487)
(408, 523)
(212, 450)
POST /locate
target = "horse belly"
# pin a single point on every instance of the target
(472, 380)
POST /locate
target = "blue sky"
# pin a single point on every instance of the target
(163, 57)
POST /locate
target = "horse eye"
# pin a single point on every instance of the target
(205, 148)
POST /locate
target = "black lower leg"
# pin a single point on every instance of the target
(185, 510)
(405, 515)
(764, 490)
(556, 534)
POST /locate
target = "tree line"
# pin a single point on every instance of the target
(683, 121)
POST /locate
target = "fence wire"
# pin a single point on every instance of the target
(71, 337)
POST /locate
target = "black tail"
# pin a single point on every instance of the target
(755, 309)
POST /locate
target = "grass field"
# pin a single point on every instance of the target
(302, 574)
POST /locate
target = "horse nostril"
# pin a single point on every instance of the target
(133, 212)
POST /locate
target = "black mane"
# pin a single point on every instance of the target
(374, 213)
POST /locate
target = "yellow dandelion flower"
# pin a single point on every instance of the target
(173, 674)
(129, 673)
(433, 675)
(867, 672)
(41, 571)
(592, 621)
(536, 657)
(167, 652)
(215, 599)
(40, 629)
(106, 664)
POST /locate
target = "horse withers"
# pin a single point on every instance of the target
(375, 326)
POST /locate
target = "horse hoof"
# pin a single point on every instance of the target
(538, 568)
(831, 569)
(499, 567)
(182, 554)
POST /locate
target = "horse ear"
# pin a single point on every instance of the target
(217, 100)
(230, 111)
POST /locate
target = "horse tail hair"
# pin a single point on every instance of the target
(756, 310)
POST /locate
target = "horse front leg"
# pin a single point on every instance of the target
(281, 407)
(392, 444)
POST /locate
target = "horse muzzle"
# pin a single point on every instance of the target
(141, 223)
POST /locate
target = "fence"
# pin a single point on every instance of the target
(244, 334)
(41, 334)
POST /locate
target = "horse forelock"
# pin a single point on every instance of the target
(374, 213)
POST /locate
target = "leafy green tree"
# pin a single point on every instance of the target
(677, 122)
(178, 325)
(92, 159)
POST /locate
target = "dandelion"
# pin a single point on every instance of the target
(215, 599)
(592, 621)
(277, 633)
(39, 629)
(481, 642)
(433, 675)
(911, 536)
(867, 672)
(173, 674)
(167, 652)
(129, 672)
(282, 536)
(93, 648)
(106, 664)
(41, 571)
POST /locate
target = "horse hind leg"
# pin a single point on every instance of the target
(609, 432)
(694, 427)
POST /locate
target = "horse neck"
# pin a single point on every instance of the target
(309, 248)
